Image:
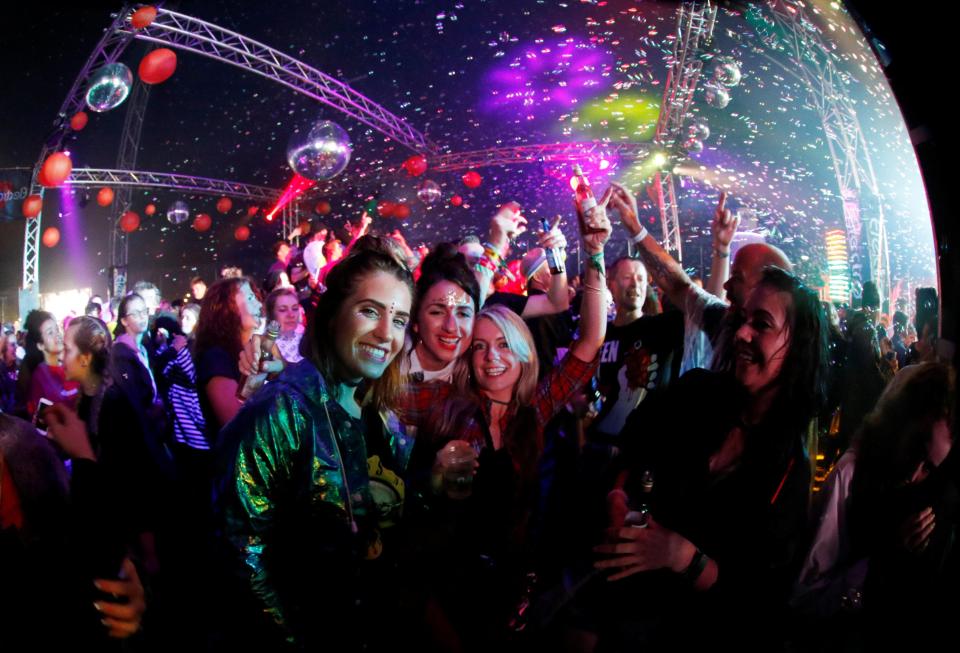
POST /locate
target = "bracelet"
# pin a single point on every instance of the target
(588, 288)
(721, 254)
(492, 251)
(486, 264)
(697, 564)
(640, 236)
(596, 261)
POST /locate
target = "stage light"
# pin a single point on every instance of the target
(297, 186)
(838, 265)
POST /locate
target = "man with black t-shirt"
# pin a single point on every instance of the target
(640, 354)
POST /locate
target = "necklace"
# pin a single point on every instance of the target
(497, 401)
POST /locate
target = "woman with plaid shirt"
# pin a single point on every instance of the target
(473, 542)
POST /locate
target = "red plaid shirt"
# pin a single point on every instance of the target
(422, 404)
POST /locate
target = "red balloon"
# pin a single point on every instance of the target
(242, 232)
(143, 17)
(401, 211)
(456, 200)
(224, 204)
(323, 207)
(129, 222)
(158, 66)
(472, 179)
(252, 211)
(386, 208)
(51, 236)
(150, 209)
(31, 206)
(55, 170)
(78, 121)
(202, 222)
(105, 196)
(415, 165)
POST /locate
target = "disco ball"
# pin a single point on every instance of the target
(727, 72)
(428, 191)
(109, 87)
(717, 96)
(320, 154)
(699, 131)
(178, 213)
(693, 145)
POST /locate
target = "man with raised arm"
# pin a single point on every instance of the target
(704, 313)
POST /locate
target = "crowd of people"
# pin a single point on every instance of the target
(447, 448)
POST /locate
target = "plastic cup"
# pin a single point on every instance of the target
(457, 459)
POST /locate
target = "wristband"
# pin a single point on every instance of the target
(640, 236)
(697, 564)
(720, 254)
(596, 261)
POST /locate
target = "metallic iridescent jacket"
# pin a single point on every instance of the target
(291, 439)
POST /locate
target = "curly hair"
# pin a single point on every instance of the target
(33, 325)
(369, 255)
(33, 357)
(220, 324)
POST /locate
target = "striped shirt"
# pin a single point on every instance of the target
(184, 404)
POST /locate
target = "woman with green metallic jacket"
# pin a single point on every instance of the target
(308, 470)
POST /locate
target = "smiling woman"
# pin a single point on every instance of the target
(294, 498)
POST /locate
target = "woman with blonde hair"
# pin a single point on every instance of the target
(479, 442)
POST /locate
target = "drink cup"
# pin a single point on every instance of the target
(458, 461)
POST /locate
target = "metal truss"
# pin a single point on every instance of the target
(172, 181)
(695, 22)
(111, 46)
(126, 160)
(814, 63)
(186, 33)
(553, 152)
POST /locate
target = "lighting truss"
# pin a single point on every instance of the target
(552, 152)
(695, 22)
(169, 180)
(108, 50)
(187, 33)
(814, 63)
(126, 160)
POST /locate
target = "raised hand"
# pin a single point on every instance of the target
(626, 205)
(597, 225)
(724, 225)
(553, 238)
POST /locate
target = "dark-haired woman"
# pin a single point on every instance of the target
(229, 315)
(731, 481)
(447, 299)
(294, 489)
(41, 375)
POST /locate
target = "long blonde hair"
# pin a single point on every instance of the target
(466, 399)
